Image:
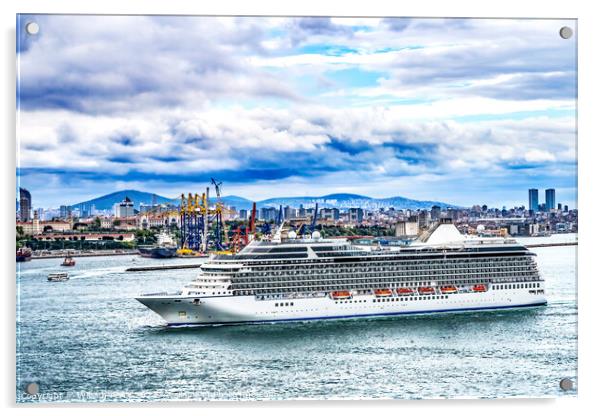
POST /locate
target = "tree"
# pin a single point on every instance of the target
(116, 222)
(96, 223)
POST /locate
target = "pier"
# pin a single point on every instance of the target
(570, 243)
(163, 267)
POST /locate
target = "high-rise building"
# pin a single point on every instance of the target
(435, 212)
(268, 214)
(243, 214)
(356, 215)
(550, 199)
(534, 200)
(329, 213)
(559, 208)
(64, 211)
(24, 204)
(125, 208)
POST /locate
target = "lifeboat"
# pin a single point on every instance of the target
(448, 289)
(426, 290)
(340, 294)
(405, 291)
(382, 292)
(479, 288)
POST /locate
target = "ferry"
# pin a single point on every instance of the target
(58, 277)
(311, 278)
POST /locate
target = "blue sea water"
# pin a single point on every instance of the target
(88, 340)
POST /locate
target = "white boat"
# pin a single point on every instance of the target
(294, 279)
(58, 277)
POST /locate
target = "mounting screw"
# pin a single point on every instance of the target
(32, 28)
(567, 384)
(566, 32)
(32, 388)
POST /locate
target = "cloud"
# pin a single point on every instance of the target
(374, 106)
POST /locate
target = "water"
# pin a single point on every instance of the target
(88, 340)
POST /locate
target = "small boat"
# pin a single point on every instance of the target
(340, 294)
(58, 277)
(69, 261)
(404, 291)
(426, 290)
(23, 254)
(448, 289)
(382, 292)
(479, 288)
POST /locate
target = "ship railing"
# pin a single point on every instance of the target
(163, 294)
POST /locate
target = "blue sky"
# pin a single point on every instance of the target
(466, 111)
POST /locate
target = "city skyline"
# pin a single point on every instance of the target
(89, 207)
(464, 111)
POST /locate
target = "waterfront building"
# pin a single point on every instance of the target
(534, 200)
(37, 227)
(24, 205)
(550, 199)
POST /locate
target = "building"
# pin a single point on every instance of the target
(424, 218)
(407, 228)
(243, 214)
(289, 212)
(329, 214)
(65, 211)
(37, 227)
(435, 212)
(24, 205)
(124, 209)
(534, 200)
(268, 214)
(356, 215)
(550, 199)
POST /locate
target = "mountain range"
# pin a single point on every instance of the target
(107, 201)
(327, 201)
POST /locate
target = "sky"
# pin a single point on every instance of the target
(464, 111)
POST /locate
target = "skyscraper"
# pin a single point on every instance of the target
(25, 204)
(534, 200)
(550, 199)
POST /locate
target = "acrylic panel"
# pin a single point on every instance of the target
(267, 208)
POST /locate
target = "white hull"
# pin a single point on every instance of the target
(220, 310)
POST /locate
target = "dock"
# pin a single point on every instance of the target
(163, 267)
(570, 243)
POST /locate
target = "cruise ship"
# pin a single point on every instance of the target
(304, 279)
